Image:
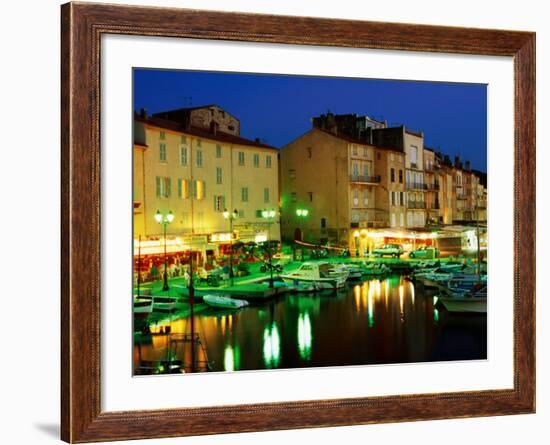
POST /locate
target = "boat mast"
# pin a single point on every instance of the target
(478, 243)
(191, 305)
(139, 265)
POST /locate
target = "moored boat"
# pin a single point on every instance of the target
(322, 275)
(219, 301)
(143, 306)
(458, 300)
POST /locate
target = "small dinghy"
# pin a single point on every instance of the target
(224, 302)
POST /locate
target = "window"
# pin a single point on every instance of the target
(218, 175)
(355, 170)
(293, 197)
(355, 197)
(244, 194)
(219, 203)
(392, 198)
(184, 139)
(310, 195)
(414, 154)
(183, 188)
(199, 158)
(292, 174)
(259, 213)
(392, 174)
(401, 198)
(266, 194)
(199, 190)
(365, 152)
(218, 151)
(393, 219)
(366, 171)
(162, 152)
(366, 198)
(323, 223)
(241, 157)
(354, 150)
(163, 187)
(256, 160)
(400, 176)
(183, 155)
(162, 135)
(355, 216)
(309, 152)
(268, 161)
(199, 143)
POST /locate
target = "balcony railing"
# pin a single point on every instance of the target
(365, 179)
(417, 186)
(416, 205)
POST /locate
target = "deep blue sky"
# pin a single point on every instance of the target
(278, 108)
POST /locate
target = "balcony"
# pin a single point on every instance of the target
(461, 196)
(433, 187)
(420, 205)
(359, 179)
(417, 186)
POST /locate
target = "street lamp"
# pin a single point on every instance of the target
(269, 215)
(231, 216)
(165, 220)
(302, 214)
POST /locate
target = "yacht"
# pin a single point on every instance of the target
(323, 275)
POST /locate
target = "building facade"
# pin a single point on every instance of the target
(197, 175)
(346, 186)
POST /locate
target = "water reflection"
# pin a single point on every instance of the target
(376, 321)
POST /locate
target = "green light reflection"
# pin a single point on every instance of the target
(304, 336)
(272, 346)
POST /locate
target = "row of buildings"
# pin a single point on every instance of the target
(352, 174)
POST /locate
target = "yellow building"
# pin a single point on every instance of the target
(198, 174)
(345, 185)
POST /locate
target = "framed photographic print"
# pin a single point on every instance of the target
(284, 222)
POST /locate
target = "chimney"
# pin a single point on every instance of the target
(457, 162)
(467, 165)
(447, 160)
(143, 113)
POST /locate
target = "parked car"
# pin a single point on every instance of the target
(394, 250)
(425, 252)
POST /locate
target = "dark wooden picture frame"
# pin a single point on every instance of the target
(82, 26)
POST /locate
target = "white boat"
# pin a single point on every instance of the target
(354, 272)
(376, 269)
(459, 300)
(322, 275)
(224, 302)
(166, 304)
(143, 306)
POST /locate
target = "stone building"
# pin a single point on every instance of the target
(206, 117)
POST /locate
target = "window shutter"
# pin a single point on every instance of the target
(194, 189)
(158, 186)
(168, 187)
(179, 188)
(223, 203)
(203, 189)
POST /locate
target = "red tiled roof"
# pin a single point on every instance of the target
(201, 132)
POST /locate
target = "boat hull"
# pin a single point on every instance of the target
(464, 305)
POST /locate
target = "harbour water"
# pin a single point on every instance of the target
(371, 322)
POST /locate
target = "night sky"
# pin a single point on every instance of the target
(278, 108)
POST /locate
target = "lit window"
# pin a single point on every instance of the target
(199, 191)
(183, 188)
(163, 187)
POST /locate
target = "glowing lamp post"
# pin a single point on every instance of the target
(268, 215)
(165, 220)
(230, 216)
(301, 214)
